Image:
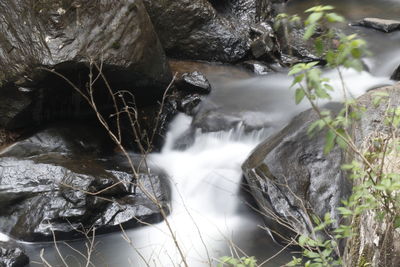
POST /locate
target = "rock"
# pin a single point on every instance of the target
(256, 67)
(188, 103)
(384, 25)
(210, 117)
(215, 121)
(293, 47)
(396, 74)
(376, 239)
(264, 43)
(62, 178)
(194, 82)
(67, 38)
(290, 177)
(11, 255)
(262, 46)
(214, 30)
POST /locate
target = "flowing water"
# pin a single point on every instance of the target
(210, 216)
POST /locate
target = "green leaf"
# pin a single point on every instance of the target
(319, 8)
(310, 30)
(329, 141)
(341, 143)
(333, 17)
(296, 69)
(299, 95)
(397, 222)
(319, 46)
(313, 18)
(298, 79)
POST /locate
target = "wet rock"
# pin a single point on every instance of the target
(290, 177)
(256, 67)
(67, 38)
(262, 46)
(385, 25)
(194, 82)
(396, 74)
(188, 103)
(209, 117)
(293, 47)
(11, 255)
(215, 121)
(212, 30)
(63, 178)
(264, 42)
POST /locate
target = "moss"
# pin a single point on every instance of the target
(116, 45)
(132, 7)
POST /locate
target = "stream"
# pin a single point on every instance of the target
(211, 216)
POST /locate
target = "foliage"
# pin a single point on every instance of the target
(376, 185)
(234, 262)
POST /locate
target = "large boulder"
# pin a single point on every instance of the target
(11, 255)
(376, 239)
(66, 36)
(291, 178)
(216, 30)
(66, 177)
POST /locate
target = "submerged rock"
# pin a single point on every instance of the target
(62, 179)
(68, 36)
(385, 25)
(290, 177)
(215, 30)
(11, 255)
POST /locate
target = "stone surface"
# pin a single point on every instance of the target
(67, 36)
(385, 25)
(188, 103)
(66, 177)
(290, 177)
(256, 67)
(263, 43)
(376, 241)
(215, 30)
(396, 74)
(194, 82)
(11, 255)
(293, 47)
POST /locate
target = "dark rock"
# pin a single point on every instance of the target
(264, 44)
(396, 74)
(11, 255)
(194, 82)
(384, 25)
(290, 177)
(215, 120)
(62, 178)
(256, 67)
(215, 30)
(210, 117)
(188, 103)
(67, 38)
(293, 47)
(153, 124)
